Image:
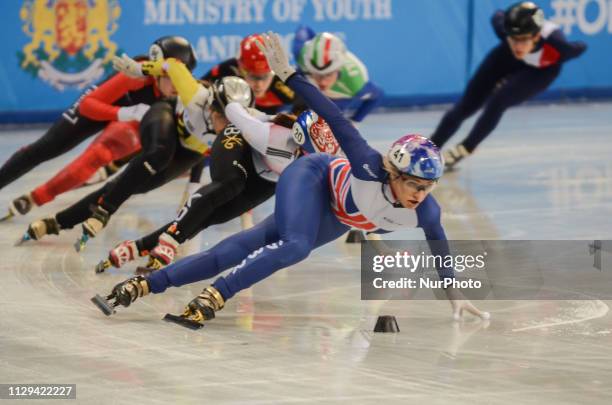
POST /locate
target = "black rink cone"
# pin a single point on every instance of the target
(386, 324)
(355, 236)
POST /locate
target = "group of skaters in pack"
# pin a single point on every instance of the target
(266, 128)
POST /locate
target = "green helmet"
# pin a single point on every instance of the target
(323, 54)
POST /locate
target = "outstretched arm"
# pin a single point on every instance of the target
(256, 132)
(567, 50)
(429, 215)
(192, 94)
(98, 105)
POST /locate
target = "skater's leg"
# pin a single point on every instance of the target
(195, 176)
(81, 210)
(64, 219)
(518, 88)
(304, 220)
(182, 160)
(302, 192)
(224, 255)
(277, 242)
(148, 242)
(256, 192)
(128, 250)
(244, 202)
(60, 138)
(159, 140)
(497, 64)
(230, 170)
(116, 141)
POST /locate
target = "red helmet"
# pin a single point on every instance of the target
(251, 58)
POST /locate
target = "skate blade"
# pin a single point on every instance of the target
(184, 322)
(102, 266)
(103, 305)
(25, 238)
(79, 245)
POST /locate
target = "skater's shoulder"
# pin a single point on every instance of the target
(353, 76)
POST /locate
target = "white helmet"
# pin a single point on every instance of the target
(323, 54)
(233, 89)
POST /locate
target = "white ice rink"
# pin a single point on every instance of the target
(303, 335)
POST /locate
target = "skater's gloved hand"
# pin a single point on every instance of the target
(132, 68)
(133, 112)
(128, 66)
(459, 303)
(275, 54)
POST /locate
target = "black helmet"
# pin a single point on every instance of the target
(233, 89)
(524, 18)
(173, 47)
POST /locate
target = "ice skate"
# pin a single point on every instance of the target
(202, 308)
(123, 294)
(163, 254)
(92, 226)
(121, 254)
(453, 156)
(19, 206)
(38, 229)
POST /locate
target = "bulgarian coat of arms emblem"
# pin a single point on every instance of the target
(70, 42)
